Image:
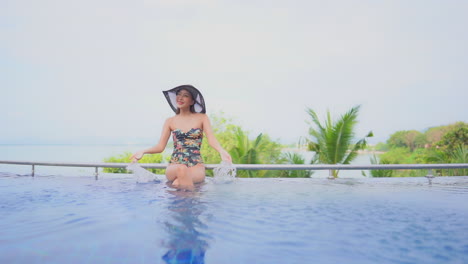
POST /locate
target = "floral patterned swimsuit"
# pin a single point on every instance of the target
(187, 147)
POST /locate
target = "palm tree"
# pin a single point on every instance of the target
(332, 141)
(295, 158)
(459, 154)
(244, 153)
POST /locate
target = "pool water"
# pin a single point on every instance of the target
(57, 219)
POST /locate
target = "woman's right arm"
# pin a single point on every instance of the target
(166, 132)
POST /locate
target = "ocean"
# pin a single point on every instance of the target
(97, 153)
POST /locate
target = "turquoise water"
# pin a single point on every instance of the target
(53, 219)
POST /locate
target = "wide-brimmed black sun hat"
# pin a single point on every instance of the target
(171, 94)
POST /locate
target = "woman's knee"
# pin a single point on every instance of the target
(177, 171)
(173, 171)
(197, 173)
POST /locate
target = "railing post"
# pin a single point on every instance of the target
(429, 176)
(330, 175)
(32, 172)
(96, 173)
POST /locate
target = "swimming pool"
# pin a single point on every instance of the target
(53, 219)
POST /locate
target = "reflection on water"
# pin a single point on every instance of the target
(187, 241)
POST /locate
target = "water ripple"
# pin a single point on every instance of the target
(246, 221)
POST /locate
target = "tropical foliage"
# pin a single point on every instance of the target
(411, 139)
(454, 138)
(441, 144)
(261, 150)
(380, 173)
(457, 154)
(246, 152)
(243, 150)
(332, 141)
(295, 158)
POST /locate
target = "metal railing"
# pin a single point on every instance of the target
(329, 167)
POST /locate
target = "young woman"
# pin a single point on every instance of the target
(187, 128)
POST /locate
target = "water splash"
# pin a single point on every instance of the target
(141, 174)
(224, 173)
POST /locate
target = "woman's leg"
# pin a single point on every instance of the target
(183, 176)
(197, 173)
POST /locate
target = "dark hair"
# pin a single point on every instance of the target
(192, 107)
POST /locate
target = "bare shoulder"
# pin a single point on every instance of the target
(201, 116)
(202, 120)
(169, 121)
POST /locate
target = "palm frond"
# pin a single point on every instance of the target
(332, 140)
(341, 136)
(361, 144)
(315, 119)
(257, 141)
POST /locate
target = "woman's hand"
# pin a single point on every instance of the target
(137, 156)
(225, 156)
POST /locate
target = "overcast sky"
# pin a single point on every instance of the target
(92, 71)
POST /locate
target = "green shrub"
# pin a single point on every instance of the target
(125, 158)
(380, 173)
(294, 158)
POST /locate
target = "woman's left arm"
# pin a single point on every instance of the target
(214, 143)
